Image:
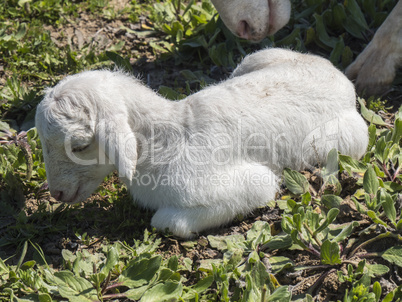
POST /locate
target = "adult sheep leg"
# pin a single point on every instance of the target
(374, 69)
(246, 188)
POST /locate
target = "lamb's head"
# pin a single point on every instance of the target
(255, 19)
(84, 135)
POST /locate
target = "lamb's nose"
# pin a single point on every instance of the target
(57, 195)
(243, 30)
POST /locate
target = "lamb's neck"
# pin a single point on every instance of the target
(150, 110)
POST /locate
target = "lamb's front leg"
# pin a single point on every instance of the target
(243, 189)
(374, 69)
(187, 222)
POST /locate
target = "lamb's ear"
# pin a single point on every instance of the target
(118, 141)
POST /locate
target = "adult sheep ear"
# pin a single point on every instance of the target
(118, 141)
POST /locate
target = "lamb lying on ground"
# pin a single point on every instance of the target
(200, 161)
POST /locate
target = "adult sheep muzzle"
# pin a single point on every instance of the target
(253, 20)
(200, 161)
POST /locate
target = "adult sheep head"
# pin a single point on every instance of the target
(83, 143)
(254, 19)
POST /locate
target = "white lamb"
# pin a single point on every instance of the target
(200, 161)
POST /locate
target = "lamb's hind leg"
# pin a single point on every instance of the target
(250, 186)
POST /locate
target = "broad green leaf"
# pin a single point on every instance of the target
(351, 165)
(173, 263)
(207, 265)
(277, 242)
(136, 293)
(117, 47)
(170, 93)
(221, 242)
(199, 288)
(295, 237)
(29, 298)
(188, 264)
(97, 279)
(380, 149)
(75, 288)
(398, 293)
(251, 292)
(203, 284)
(22, 30)
(44, 298)
(297, 221)
(331, 201)
(352, 27)
(332, 185)
(259, 233)
(369, 115)
(140, 272)
(389, 206)
(392, 187)
(281, 294)
(339, 14)
(111, 261)
(330, 253)
(295, 182)
(332, 165)
(377, 290)
(375, 218)
(347, 57)
(336, 53)
(394, 255)
(22, 256)
(121, 63)
(165, 274)
(354, 9)
(345, 232)
(399, 225)
(3, 267)
(398, 115)
(372, 136)
(306, 199)
(279, 263)
(82, 264)
(28, 264)
(370, 181)
(169, 291)
(322, 34)
(389, 297)
(397, 131)
(68, 255)
(292, 205)
(376, 270)
(289, 39)
(22, 2)
(259, 275)
(331, 215)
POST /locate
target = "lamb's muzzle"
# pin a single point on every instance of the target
(201, 161)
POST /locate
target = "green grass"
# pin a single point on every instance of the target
(346, 224)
